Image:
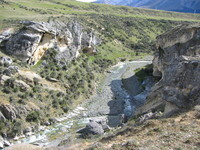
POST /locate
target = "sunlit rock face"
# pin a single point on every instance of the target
(177, 63)
(32, 41)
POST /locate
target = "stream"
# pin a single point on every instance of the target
(110, 102)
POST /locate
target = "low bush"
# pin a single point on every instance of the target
(33, 116)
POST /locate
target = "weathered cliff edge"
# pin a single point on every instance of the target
(177, 63)
(30, 43)
(35, 38)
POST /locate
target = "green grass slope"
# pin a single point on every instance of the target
(40, 9)
(123, 28)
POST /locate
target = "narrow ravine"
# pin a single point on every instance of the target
(113, 100)
(110, 102)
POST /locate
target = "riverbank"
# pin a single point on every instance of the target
(109, 102)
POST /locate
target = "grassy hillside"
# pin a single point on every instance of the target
(34, 9)
(120, 25)
(125, 27)
(42, 9)
(126, 33)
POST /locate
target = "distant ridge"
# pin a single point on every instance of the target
(187, 6)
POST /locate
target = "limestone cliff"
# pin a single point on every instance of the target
(31, 42)
(177, 63)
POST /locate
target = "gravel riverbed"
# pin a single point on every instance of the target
(110, 102)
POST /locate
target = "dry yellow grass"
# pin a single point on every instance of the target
(181, 132)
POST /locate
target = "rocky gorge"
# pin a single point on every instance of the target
(29, 45)
(54, 82)
(170, 116)
(167, 111)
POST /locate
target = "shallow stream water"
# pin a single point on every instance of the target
(108, 103)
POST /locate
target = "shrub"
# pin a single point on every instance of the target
(65, 109)
(16, 89)
(7, 90)
(10, 82)
(55, 104)
(22, 101)
(18, 127)
(36, 89)
(33, 116)
(36, 81)
(11, 99)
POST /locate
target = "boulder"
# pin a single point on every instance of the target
(11, 70)
(3, 78)
(177, 63)
(5, 60)
(47, 123)
(29, 77)
(92, 128)
(1, 142)
(27, 130)
(52, 79)
(7, 143)
(14, 69)
(1, 145)
(22, 85)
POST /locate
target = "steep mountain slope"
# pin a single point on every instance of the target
(190, 6)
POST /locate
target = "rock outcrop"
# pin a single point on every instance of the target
(1, 142)
(5, 35)
(92, 128)
(35, 38)
(8, 81)
(8, 111)
(13, 111)
(4, 60)
(177, 63)
(11, 70)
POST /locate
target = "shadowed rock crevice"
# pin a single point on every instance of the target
(179, 66)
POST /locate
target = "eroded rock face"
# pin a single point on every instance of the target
(177, 62)
(5, 35)
(12, 112)
(4, 60)
(2, 118)
(8, 111)
(11, 70)
(35, 38)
